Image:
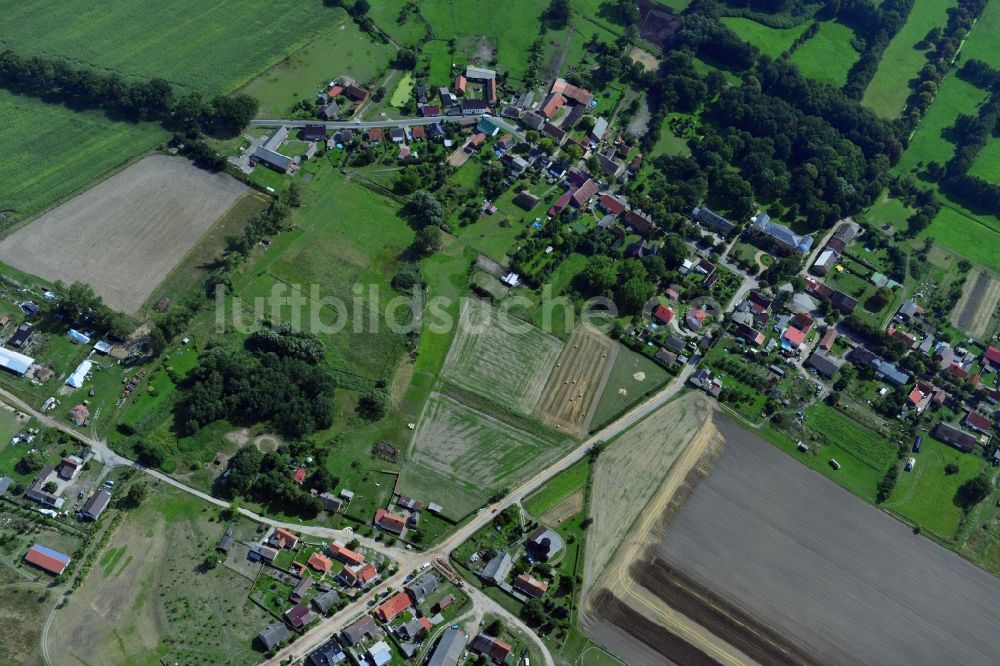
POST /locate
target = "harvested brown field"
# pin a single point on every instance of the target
(629, 620)
(771, 556)
(124, 235)
(569, 398)
(975, 309)
(629, 472)
(648, 61)
(500, 357)
(564, 510)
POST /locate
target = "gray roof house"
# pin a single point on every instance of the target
(327, 654)
(272, 634)
(364, 629)
(448, 649)
(5, 483)
(496, 570)
(325, 601)
(890, 373)
(422, 587)
(823, 364)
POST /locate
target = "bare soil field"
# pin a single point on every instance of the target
(474, 451)
(769, 555)
(648, 61)
(568, 400)
(975, 309)
(124, 235)
(499, 357)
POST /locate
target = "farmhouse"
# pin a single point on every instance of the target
(823, 364)
(460, 84)
(496, 569)
(69, 467)
(530, 585)
(992, 357)
(422, 587)
(473, 107)
(298, 616)
(388, 610)
(47, 559)
(638, 221)
(325, 601)
(827, 342)
(22, 335)
(331, 502)
(390, 522)
(314, 133)
(329, 653)
(577, 94)
(363, 630)
(282, 538)
(551, 105)
(842, 236)
(15, 362)
(533, 120)
(584, 193)
(411, 629)
(909, 310)
(96, 505)
(272, 635)
(976, 421)
(782, 235)
(37, 493)
(449, 649)
(301, 588)
(890, 373)
(358, 576)
(749, 334)
(479, 73)
(320, 562)
(494, 648)
(345, 555)
(949, 434)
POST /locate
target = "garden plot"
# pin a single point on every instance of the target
(500, 357)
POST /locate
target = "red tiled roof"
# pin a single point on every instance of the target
(663, 314)
(530, 586)
(334, 91)
(794, 336)
(375, 134)
(978, 421)
(393, 606)
(284, 538)
(460, 84)
(419, 132)
(559, 205)
(827, 341)
(552, 104)
(345, 555)
(612, 204)
(300, 475)
(366, 574)
(992, 355)
(388, 521)
(320, 562)
(47, 559)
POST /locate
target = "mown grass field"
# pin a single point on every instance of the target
(829, 55)
(632, 377)
(343, 50)
(982, 43)
(888, 91)
(930, 142)
(51, 152)
(770, 41)
(213, 47)
(559, 488)
(925, 495)
(987, 164)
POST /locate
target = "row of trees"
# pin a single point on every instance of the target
(153, 99)
(877, 25)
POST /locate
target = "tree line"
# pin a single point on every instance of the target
(54, 79)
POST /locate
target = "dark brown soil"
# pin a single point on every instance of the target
(647, 632)
(715, 614)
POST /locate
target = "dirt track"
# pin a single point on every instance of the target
(975, 309)
(124, 235)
